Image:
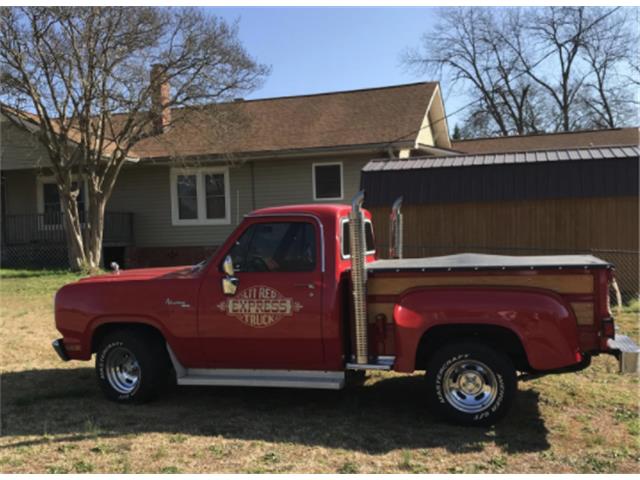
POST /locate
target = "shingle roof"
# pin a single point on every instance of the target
(419, 163)
(549, 141)
(358, 117)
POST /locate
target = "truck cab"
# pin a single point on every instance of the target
(297, 296)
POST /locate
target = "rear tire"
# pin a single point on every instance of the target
(131, 366)
(470, 383)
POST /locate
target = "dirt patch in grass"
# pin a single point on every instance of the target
(55, 420)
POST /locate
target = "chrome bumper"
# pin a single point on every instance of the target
(627, 352)
(58, 346)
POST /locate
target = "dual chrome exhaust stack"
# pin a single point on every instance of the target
(395, 230)
(359, 277)
(357, 241)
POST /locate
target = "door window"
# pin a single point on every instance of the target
(276, 247)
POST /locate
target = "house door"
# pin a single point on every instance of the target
(274, 320)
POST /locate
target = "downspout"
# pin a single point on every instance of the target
(359, 277)
(253, 186)
(395, 230)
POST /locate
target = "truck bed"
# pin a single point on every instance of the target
(478, 261)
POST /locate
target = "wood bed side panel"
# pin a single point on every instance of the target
(374, 309)
(394, 285)
(584, 312)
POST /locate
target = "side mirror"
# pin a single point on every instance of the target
(229, 285)
(227, 266)
(229, 282)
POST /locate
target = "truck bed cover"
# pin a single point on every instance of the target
(479, 261)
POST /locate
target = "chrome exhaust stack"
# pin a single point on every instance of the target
(359, 277)
(395, 230)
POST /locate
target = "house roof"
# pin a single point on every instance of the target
(31, 123)
(549, 141)
(359, 117)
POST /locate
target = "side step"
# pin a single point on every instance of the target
(256, 377)
(263, 378)
(627, 351)
(383, 362)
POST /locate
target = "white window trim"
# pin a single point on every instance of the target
(313, 180)
(40, 182)
(200, 195)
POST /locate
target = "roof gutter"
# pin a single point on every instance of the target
(275, 154)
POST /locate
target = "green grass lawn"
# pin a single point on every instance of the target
(55, 420)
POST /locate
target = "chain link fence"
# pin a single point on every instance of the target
(626, 262)
(49, 256)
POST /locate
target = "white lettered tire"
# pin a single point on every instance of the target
(131, 367)
(471, 383)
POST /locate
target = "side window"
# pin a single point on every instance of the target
(276, 247)
(368, 231)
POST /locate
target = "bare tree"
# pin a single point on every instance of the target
(606, 50)
(535, 69)
(467, 47)
(82, 74)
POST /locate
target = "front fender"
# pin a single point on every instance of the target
(541, 319)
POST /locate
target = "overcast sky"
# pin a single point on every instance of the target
(314, 50)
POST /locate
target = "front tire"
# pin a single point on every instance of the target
(132, 367)
(470, 383)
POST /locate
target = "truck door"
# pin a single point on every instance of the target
(274, 320)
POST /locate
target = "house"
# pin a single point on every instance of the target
(527, 195)
(188, 186)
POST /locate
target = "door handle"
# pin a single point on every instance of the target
(310, 286)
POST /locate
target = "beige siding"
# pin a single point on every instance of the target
(145, 191)
(20, 192)
(282, 182)
(19, 149)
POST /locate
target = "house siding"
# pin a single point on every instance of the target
(145, 191)
(20, 194)
(20, 149)
(282, 182)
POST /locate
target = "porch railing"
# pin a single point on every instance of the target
(48, 228)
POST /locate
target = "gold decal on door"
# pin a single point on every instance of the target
(259, 306)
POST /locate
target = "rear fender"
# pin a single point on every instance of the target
(541, 319)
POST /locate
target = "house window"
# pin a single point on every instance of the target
(327, 181)
(49, 201)
(187, 197)
(200, 196)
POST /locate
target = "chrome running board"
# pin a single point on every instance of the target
(256, 377)
(383, 362)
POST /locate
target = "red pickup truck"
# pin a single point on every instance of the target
(297, 297)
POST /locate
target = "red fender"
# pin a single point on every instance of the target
(541, 319)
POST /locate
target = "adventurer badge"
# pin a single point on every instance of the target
(259, 306)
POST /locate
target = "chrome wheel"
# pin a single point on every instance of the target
(469, 386)
(122, 370)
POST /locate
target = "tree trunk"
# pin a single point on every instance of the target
(73, 230)
(93, 245)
